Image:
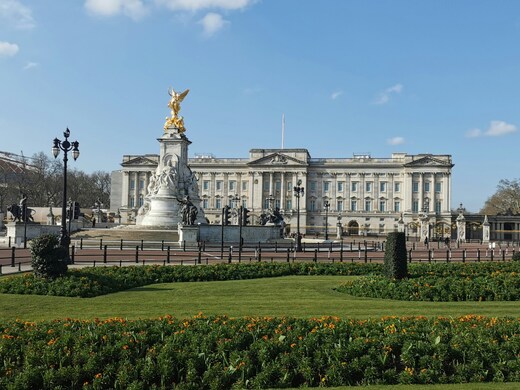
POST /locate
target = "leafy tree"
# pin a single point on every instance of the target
(506, 200)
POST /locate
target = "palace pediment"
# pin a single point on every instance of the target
(429, 161)
(276, 159)
(139, 161)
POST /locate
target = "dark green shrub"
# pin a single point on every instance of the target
(396, 265)
(516, 256)
(49, 259)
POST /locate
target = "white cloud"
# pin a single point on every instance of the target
(395, 141)
(212, 23)
(336, 95)
(384, 97)
(197, 5)
(498, 128)
(8, 49)
(14, 13)
(31, 65)
(473, 133)
(135, 9)
(495, 129)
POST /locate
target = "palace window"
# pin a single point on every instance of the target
(353, 205)
(132, 201)
(266, 185)
(218, 185)
(340, 186)
(244, 186)
(426, 186)
(218, 203)
(368, 186)
(141, 200)
(326, 186)
(397, 206)
(205, 204)
(288, 204)
(232, 185)
(340, 205)
(289, 186)
(382, 186)
(132, 184)
(312, 205)
(313, 185)
(205, 185)
(397, 187)
(382, 205)
(244, 203)
(438, 207)
(141, 184)
(278, 185)
(368, 205)
(438, 186)
(415, 186)
(354, 186)
(415, 206)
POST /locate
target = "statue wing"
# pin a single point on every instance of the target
(183, 95)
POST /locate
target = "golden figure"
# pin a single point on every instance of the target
(175, 120)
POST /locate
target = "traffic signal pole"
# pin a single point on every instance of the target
(222, 236)
(240, 215)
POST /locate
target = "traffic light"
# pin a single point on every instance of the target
(245, 217)
(76, 211)
(226, 220)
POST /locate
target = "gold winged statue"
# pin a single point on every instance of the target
(175, 120)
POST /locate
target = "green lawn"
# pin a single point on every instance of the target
(465, 386)
(296, 296)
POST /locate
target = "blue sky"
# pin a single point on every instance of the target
(364, 76)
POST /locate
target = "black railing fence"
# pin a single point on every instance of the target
(131, 252)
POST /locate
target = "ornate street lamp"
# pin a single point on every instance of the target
(299, 191)
(66, 146)
(326, 207)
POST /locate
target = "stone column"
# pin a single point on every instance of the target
(136, 190)
(125, 190)
(282, 191)
(420, 194)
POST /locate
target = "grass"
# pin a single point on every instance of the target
(463, 386)
(295, 296)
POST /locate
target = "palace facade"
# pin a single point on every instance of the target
(366, 195)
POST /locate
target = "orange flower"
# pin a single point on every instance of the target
(98, 376)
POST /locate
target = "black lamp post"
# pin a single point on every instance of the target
(66, 146)
(326, 206)
(299, 191)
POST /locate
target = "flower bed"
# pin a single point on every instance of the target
(444, 282)
(221, 353)
(91, 282)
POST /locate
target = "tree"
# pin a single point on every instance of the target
(41, 178)
(396, 265)
(506, 200)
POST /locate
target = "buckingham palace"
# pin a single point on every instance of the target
(366, 195)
